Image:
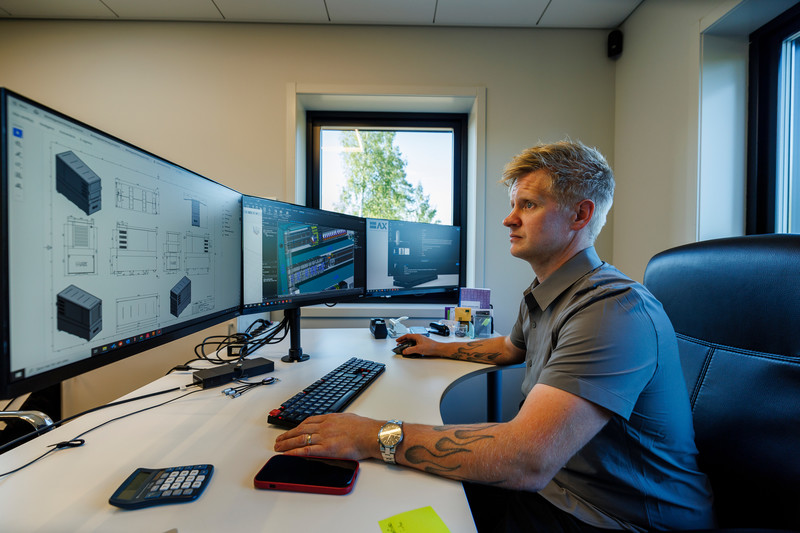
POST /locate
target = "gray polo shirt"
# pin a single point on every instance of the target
(597, 334)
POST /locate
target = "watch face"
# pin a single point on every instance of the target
(391, 434)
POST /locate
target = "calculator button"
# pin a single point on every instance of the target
(162, 486)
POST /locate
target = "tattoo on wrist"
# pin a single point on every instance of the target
(443, 459)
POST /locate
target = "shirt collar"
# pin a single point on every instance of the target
(578, 266)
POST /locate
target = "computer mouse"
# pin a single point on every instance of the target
(403, 345)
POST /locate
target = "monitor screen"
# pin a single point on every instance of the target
(295, 255)
(411, 257)
(107, 249)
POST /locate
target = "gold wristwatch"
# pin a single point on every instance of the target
(390, 435)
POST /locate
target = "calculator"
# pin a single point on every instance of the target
(158, 486)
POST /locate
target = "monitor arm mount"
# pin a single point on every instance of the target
(296, 354)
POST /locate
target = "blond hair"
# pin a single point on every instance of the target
(577, 172)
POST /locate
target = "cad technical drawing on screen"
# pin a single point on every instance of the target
(108, 245)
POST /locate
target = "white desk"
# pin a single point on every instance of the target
(68, 490)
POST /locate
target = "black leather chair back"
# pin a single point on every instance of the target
(735, 306)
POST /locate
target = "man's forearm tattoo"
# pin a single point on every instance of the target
(469, 352)
(443, 459)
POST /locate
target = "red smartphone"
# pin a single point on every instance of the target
(321, 475)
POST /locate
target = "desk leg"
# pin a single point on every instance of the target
(494, 412)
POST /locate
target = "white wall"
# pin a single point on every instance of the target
(680, 125)
(655, 142)
(212, 97)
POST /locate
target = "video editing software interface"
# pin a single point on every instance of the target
(295, 255)
(411, 257)
(108, 246)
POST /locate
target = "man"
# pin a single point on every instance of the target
(604, 438)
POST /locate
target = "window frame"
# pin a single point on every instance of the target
(766, 45)
(458, 122)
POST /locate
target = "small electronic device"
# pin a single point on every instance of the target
(307, 474)
(402, 346)
(157, 486)
(419, 330)
(221, 374)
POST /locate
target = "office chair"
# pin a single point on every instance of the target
(735, 306)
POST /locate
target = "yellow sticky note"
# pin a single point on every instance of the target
(423, 520)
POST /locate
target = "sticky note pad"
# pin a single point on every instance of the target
(423, 520)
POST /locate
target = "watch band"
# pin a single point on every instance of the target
(389, 441)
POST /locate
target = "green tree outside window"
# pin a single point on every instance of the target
(376, 182)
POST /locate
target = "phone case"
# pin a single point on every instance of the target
(319, 475)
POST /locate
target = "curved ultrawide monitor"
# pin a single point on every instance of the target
(295, 255)
(108, 250)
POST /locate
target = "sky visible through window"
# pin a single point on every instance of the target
(788, 179)
(429, 162)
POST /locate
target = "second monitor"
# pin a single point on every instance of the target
(295, 255)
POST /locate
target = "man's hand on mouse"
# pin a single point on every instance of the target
(421, 344)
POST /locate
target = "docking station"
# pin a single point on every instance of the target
(219, 375)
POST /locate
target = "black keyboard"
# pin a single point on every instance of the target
(329, 394)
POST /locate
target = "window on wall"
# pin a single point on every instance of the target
(787, 187)
(393, 166)
(773, 181)
(396, 166)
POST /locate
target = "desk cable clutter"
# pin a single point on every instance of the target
(237, 347)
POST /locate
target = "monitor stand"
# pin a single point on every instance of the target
(296, 354)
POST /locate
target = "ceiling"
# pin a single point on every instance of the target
(601, 14)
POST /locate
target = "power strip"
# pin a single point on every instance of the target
(208, 378)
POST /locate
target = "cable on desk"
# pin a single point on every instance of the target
(39, 431)
(78, 441)
(235, 392)
(258, 334)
